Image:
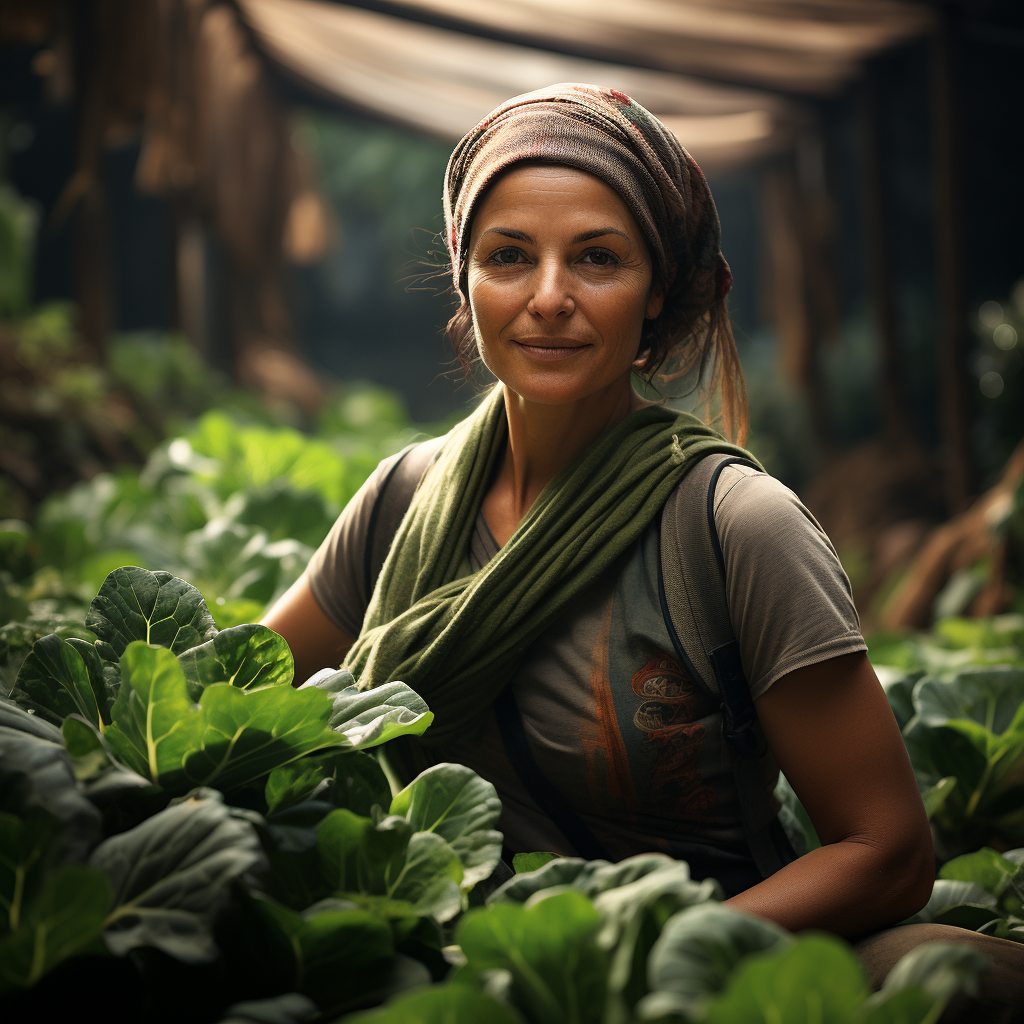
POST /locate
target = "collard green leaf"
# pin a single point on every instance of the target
(37, 785)
(247, 734)
(367, 718)
(462, 808)
(229, 738)
(154, 724)
(104, 670)
(524, 862)
(170, 875)
(291, 1008)
(988, 695)
(550, 949)
(345, 778)
(249, 657)
(334, 955)
(429, 878)
(814, 979)
(696, 953)
(590, 877)
(64, 919)
(935, 796)
(361, 855)
(54, 682)
(17, 719)
(289, 840)
(948, 896)
(444, 1004)
(155, 607)
(996, 874)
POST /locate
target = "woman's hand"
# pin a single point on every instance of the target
(315, 641)
(835, 738)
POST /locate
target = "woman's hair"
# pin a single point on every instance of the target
(605, 133)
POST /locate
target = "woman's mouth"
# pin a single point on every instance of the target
(550, 349)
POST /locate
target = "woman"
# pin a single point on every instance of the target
(585, 247)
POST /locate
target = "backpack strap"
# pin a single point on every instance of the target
(691, 588)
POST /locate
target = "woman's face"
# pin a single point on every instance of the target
(560, 281)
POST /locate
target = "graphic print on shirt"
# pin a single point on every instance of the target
(667, 719)
(608, 773)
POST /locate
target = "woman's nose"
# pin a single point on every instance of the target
(551, 295)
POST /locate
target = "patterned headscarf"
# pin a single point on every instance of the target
(611, 136)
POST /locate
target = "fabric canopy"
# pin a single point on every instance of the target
(803, 46)
(443, 81)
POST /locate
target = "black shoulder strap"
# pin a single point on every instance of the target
(692, 570)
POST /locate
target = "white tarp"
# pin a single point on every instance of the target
(443, 82)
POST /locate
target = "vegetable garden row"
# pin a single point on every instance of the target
(184, 834)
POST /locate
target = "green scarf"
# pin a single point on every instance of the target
(458, 641)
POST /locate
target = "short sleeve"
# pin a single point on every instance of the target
(790, 601)
(337, 571)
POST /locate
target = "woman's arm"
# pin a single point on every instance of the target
(835, 738)
(315, 641)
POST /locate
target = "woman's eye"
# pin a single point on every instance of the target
(599, 257)
(506, 256)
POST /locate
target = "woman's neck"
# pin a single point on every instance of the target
(542, 441)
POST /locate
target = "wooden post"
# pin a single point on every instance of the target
(954, 337)
(896, 422)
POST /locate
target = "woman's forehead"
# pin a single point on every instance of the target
(539, 192)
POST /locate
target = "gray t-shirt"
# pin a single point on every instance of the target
(612, 717)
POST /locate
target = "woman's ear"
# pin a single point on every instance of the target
(655, 300)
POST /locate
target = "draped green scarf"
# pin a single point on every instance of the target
(458, 641)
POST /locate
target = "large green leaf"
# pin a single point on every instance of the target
(156, 607)
(230, 737)
(813, 980)
(345, 778)
(430, 878)
(367, 718)
(988, 695)
(444, 1004)
(998, 875)
(334, 954)
(54, 682)
(696, 953)
(249, 657)
(961, 903)
(64, 919)
(359, 854)
(452, 801)
(557, 970)
(289, 839)
(633, 917)
(170, 876)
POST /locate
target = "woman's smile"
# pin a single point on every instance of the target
(548, 349)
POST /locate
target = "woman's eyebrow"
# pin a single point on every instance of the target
(586, 236)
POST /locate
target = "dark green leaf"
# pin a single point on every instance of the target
(445, 1004)
(104, 670)
(289, 840)
(291, 1008)
(156, 607)
(54, 682)
(249, 657)
(228, 739)
(815, 979)
(346, 778)
(360, 855)
(171, 875)
(988, 695)
(64, 919)
(558, 971)
(367, 718)
(696, 953)
(524, 862)
(335, 956)
(429, 878)
(462, 808)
